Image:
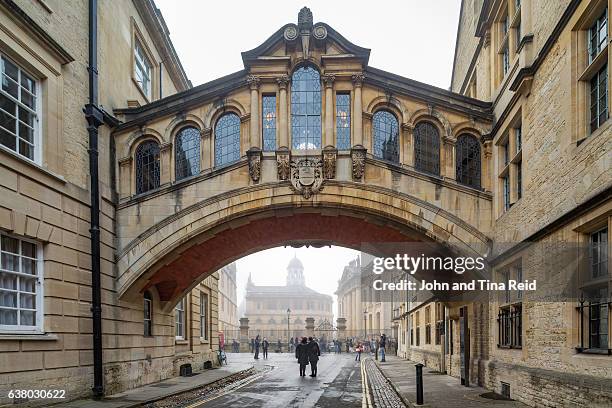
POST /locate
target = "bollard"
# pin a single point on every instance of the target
(419, 383)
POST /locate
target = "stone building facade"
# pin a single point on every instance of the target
(544, 66)
(269, 307)
(46, 337)
(228, 300)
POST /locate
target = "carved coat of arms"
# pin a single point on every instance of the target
(306, 177)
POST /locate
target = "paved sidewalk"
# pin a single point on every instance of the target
(171, 386)
(439, 390)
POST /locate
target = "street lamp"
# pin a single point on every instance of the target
(288, 330)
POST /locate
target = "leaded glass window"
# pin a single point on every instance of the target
(20, 285)
(227, 139)
(599, 98)
(468, 161)
(306, 109)
(18, 110)
(386, 136)
(343, 121)
(147, 166)
(268, 120)
(427, 148)
(187, 152)
(598, 36)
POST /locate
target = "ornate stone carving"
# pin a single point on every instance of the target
(282, 81)
(254, 156)
(329, 162)
(253, 81)
(305, 19)
(291, 33)
(283, 164)
(358, 156)
(306, 177)
(358, 79)
(319, 32)
(328, 80)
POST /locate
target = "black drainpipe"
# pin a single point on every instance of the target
(95, 119)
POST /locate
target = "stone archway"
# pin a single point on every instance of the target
(179, 251)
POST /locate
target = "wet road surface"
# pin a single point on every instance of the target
(337, 385)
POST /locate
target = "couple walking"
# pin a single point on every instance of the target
(308, 351)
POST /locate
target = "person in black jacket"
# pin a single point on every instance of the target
(313, 355)
(301, 353)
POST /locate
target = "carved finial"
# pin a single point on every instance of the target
(305, 19)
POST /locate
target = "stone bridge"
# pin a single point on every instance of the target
(307, 145)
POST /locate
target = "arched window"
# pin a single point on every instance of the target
(468, 161)
(148, 314)
(147, 166)
(306, 109)
(386, 136)
(427, 148)
(227, 139)
(187, 152)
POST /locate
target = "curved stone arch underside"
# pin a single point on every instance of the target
(175, 254)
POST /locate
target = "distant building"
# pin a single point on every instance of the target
(266, 306)
(228, 305)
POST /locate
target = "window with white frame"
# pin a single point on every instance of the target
(179, 319)
(21, 285)
(19, 111)
(142, 69)
(203, 316)
(148, 315)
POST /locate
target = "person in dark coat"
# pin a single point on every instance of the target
(257, 344)
(313, 355)
(382, 344)
(252, 345)
(265, 344)
(301, 353)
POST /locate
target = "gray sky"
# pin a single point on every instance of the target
(411, 38)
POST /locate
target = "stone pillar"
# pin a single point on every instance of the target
(341, 326)
(283, 119)
(447, 158)
(310, 326)
(486, 168)
(408, 153)
(165, 153)
(357, 110)
(245, 346)
(125, 177)
(328, 136)
(206, 150)
(253, 82)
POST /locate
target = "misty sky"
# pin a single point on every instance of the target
(411, 38)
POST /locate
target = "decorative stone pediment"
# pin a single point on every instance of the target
(303, 37)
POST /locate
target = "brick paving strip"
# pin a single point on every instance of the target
(381, 391)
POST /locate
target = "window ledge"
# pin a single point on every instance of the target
(32, 164)
(181, 342)
(595, 65)
(29, 336)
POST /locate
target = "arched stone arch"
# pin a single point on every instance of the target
(430, 114)
(469, 127)
(219, 108)
(310, 62)
(172, 253)
(138, 137)
(181, 121)
(390, 103)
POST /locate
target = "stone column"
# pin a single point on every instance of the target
(408, 153)
(447, 158)
(125, 177)
(328, 136)
(253, 82)
(283, 119)
(341, 326)
(206, 150)
(486, 166)
(245, 346)
(165, 153)
(357, 110)
(310, 326)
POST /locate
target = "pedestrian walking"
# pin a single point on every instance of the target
(301, 353)
(292, 344)
(257, 344)
(314, 351)
(279, 347)
(376, 350)
(252, 345)
(358, 350)
(381, 346)
(264, 345)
